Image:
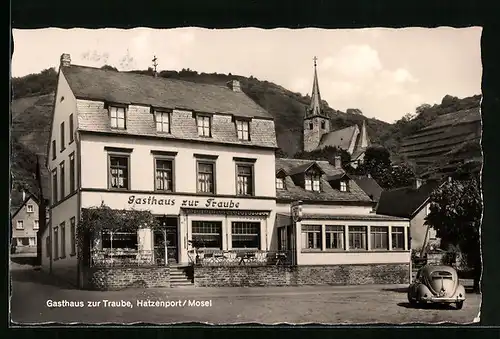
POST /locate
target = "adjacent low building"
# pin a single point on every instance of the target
(24, 227)
(412, 202)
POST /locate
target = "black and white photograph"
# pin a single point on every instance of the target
(246, 176)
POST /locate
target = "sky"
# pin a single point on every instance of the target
(385, 73)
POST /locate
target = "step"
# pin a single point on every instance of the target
(181, 284)
(179, 279)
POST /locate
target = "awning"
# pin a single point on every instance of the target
(348, 217)
(217, 211)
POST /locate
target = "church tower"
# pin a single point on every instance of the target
(316, 123)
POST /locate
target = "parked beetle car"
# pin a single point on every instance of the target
(436, 284)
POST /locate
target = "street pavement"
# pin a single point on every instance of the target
(38, 298)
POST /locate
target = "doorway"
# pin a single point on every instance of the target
(167, 233)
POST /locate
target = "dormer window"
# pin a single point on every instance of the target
(204, 126)
(242, 129)
(280, 183)
(117, 117)
(312, 181)
(162, 120)
(343, 186)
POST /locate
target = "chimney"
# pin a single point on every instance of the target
(338, 161)
(234, 85)
(417, 183)
(65, 60)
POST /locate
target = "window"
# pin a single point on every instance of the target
(311, 125)
(280, 183)
(311, 237)
(32, 241)
(117, 116)
(72, 172)
(379, 237)
(23, 241)
(343, 186)
(73, 235)
(29, 208)
(119, 171)
(282, 239)
(36, 225)
(334, 237)
(71, 129)
(63, 239)
(244, 180)
(63, 177)
(206, 177)
(207, 234)
(312, 181)
(323, 124)
(245, 235)
(398, 238)
(357, 237)
(203, 123)
(20, 225)
(63, 142)
(47, 246)
(54, 186)
(162, 120)
(164, 175)
(56, 243)
(242, 128)
(54, 150)
(119, 239)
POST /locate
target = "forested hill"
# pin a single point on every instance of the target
(31, 111)
(286, 107)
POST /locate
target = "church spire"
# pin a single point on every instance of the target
(315, 105)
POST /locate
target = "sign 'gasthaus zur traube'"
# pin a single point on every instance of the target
(202, 203)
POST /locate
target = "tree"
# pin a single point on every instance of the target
(456, 209)
(109, 68)
(279, 153)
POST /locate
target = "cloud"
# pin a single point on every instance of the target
(403, 75)
(354, 61)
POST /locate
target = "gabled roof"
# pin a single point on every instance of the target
(28, 197)
(130, 88)
(369, 185)
(303, 168)
(164, 93)
(341, 138)
(405, 202)
(328, 194)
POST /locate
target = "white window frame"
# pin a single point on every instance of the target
(204, 126)
(243, 129)
(377, 235)
(163, 122)
(36, 224)
(235, 235)
(117, 117)
(335, 229)
(395, 231)
(29, 208)
(312, 182)
(280, 183)
(20, 225)
(317, 231)
(32, 241)
(364, 237)
(343, 186)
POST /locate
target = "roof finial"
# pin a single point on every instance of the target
(315, 59)
(154, 65)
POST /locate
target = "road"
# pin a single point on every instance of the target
(35, 297)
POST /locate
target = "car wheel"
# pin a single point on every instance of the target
(460, 304)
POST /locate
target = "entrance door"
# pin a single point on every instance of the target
(167, 233)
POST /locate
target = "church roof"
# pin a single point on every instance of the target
(341, 138)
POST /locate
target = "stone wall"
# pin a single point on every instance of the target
(115, 278)
(301, 275)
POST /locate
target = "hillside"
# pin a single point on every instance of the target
(33, 96)
(286, 107)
